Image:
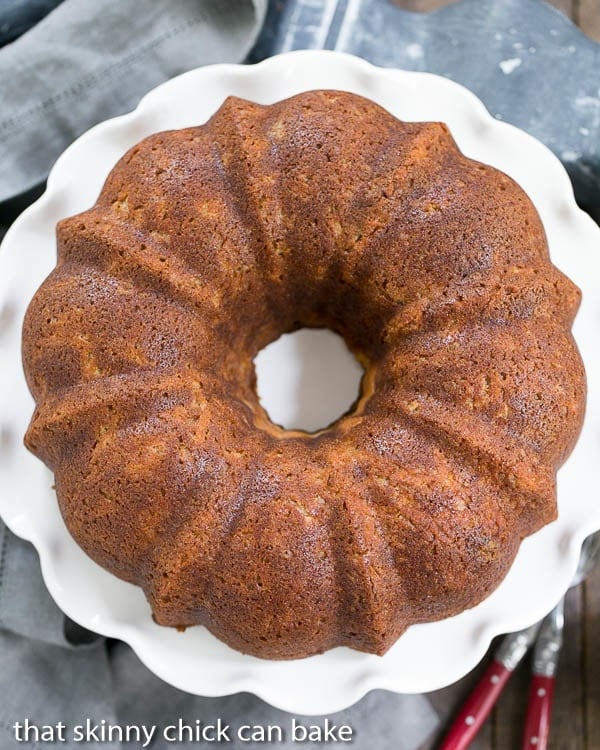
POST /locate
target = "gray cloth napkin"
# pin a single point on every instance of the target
(83, 63)
(87, 61)
(51, 670)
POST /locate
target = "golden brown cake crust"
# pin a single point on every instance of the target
(208, 243)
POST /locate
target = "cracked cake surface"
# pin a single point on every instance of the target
(205, 245)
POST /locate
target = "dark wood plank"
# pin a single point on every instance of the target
(567, 728)
(587, 16)
(566, 6)
(585, 13)
(421, 6)
(591, 659)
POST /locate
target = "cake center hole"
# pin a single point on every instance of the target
(307, 379)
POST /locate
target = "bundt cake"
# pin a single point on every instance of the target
(205, 245)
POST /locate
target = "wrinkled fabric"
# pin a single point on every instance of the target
(52, 670)
(16, 16)
(88, 61)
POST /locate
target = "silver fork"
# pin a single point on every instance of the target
(545, 657)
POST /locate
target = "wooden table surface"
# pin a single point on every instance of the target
(576, 710)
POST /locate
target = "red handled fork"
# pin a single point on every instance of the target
(547, 636)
